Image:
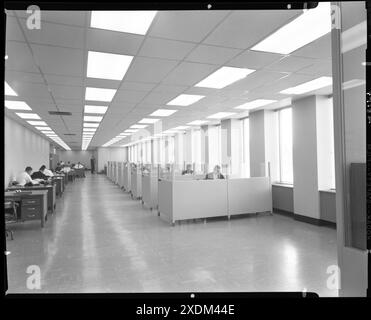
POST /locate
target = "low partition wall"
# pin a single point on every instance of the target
(150, 190)
(136, 184)
(193, 199)
(127, 177)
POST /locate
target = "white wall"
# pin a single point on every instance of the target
(306, 195)
(23, 148)
(257, 148)
(109, 154)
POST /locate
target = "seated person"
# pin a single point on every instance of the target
(215, 174)
(66, 169)
(40, 174)
(48, 172)
(24, 178)
(188, 170)
(58, 167)
(78, 165)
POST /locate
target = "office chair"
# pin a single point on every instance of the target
(10, 217)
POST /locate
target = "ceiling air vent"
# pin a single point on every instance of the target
(60, 113)
(69, 134)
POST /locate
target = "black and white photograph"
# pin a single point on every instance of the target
(186, 149)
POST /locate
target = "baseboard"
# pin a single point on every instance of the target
(314, 221)
(283, 212)
(301, 218)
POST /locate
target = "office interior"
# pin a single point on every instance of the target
(222, 151)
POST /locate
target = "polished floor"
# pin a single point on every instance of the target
(100, 240)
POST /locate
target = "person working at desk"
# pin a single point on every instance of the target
(48, 172)
(40, 174)
(188, 170)
(215, 174)
(78, 166)
(66, 169)
(24, 178)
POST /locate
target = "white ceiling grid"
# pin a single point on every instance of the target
(180, 49)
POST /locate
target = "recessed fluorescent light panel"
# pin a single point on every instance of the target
(91, 125)
(185, 100)
(17, 105)
(224, 77)
(163, 113)
(95, 109)
(136, 22)
(197, 122)
(37, 123)
(27, 115)
(181, 128)
(99, 94)
(148, 120)
(255, 104)
(138, 126)
(109, 66)
(221, 115)
(93, 118)
(8, 90)
(309, 86)
(89, 129)
(309, 26)
(43, 128)
(131, 130)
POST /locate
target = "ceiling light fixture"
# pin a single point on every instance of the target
(224, 77)
(136, 22)
(255, 104)
(185, 100)
(309, 86)
(163, 113)
(17, 105)
(306, 28)
(99, 94)
(108, 66)
(221, 115)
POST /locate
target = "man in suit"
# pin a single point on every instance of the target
(92, 164)
(39, 174)
(215, 174)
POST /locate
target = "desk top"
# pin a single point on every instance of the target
(38, 187)
(26, 193)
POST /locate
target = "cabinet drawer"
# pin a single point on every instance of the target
(30, 202)
(31, 212)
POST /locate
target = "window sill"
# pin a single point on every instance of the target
(285, 185)
(328, 190)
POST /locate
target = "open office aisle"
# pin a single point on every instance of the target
(100, 240)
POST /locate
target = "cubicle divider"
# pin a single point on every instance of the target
(150, 187)
(181, 199)
(127, 177)
(136, 181)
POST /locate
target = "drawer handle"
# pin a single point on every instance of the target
(31, 208)
(31, 215)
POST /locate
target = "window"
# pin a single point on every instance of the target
(148, 152)
(245, 168)
(196, 149)
(214, 134)
(285, 145)
(161, 151)
(170, 149)
(236, 148)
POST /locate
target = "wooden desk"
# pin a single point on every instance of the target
(33, 204)
(51, 188)
(80, 172)
(59, 183)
